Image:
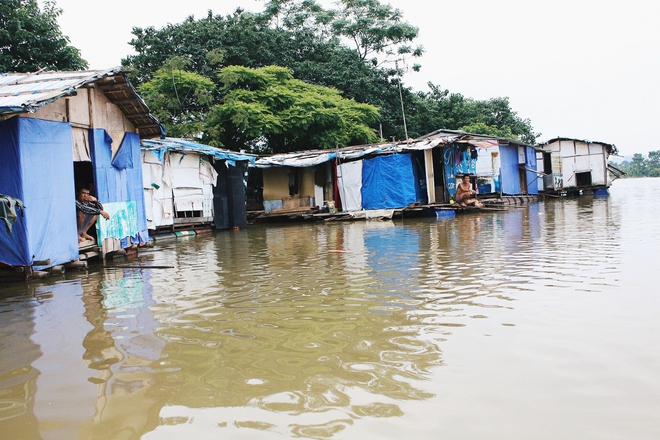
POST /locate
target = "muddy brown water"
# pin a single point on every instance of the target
(538, 322)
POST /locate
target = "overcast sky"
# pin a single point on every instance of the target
(584, 69)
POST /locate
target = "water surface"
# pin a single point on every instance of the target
(536, 322)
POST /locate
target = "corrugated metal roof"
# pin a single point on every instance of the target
(426, 142)
(611, 148)
(186, 146)
(449, 136)
(28, 92)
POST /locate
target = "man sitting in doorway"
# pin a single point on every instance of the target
(464, 193)
(88, 209)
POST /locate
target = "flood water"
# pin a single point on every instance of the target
(540, 322)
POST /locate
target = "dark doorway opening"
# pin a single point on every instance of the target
(83, 176)
(583, 179)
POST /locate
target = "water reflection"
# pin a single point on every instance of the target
(328, 330)
(120, 349)
(18, 377)
(43, 364)
(291, 336)
(76, 360)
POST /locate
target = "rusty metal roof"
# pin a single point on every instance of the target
(28, 92)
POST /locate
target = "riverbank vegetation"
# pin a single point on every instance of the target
(639, 166)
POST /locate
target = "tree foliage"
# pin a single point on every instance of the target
(31, 39)
(493, 117)
(641, 167)
(179, 99)
(375, 29)
(270, 111)
(314, 44)
(251, 40)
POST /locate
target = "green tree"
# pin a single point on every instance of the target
(654, 159)
(637, 166)
(268, 110)
(241, 38)
(653, 164)
(441, 109)
(179, 99)
(309, 41)
(31, 39)
(375, 29)
(290, 34)
(497, 112)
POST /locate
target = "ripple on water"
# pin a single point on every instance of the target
(265, 331)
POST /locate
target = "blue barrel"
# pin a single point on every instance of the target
(445, 213)
(484, 189)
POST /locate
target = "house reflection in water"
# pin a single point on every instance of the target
(88, 352)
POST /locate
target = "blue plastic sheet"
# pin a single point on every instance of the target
(36, 166)
(119, 185)
(388, 182)
(509, 169)
(532, 177)
(124, 157)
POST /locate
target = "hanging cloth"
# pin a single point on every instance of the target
(8, 207)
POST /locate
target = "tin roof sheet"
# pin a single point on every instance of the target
(187, 146)
(28, 92)
(426, 142)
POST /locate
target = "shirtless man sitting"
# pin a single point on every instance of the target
(464, 193)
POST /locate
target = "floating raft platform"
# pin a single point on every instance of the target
(313, 213)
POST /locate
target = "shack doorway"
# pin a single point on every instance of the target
(522, 176)
(439, 175)
(255, 189)
(583, 178)
(83, 177)
(83, 174)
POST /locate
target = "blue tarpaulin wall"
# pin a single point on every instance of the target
(530, 164)
(388, 182)
(120, 180)
(36, 166)
(509, 169)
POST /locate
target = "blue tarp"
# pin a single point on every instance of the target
(124, 157)
(532, 177)
(388, 182)
(159, 146)
(120, 185)
(509, 169)
(36, 167)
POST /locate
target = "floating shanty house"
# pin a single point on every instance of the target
(575, 166)
(298, 180)
(59, 130)
(396, 175)
(360, 178)
(499, 166)
(188, 185)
